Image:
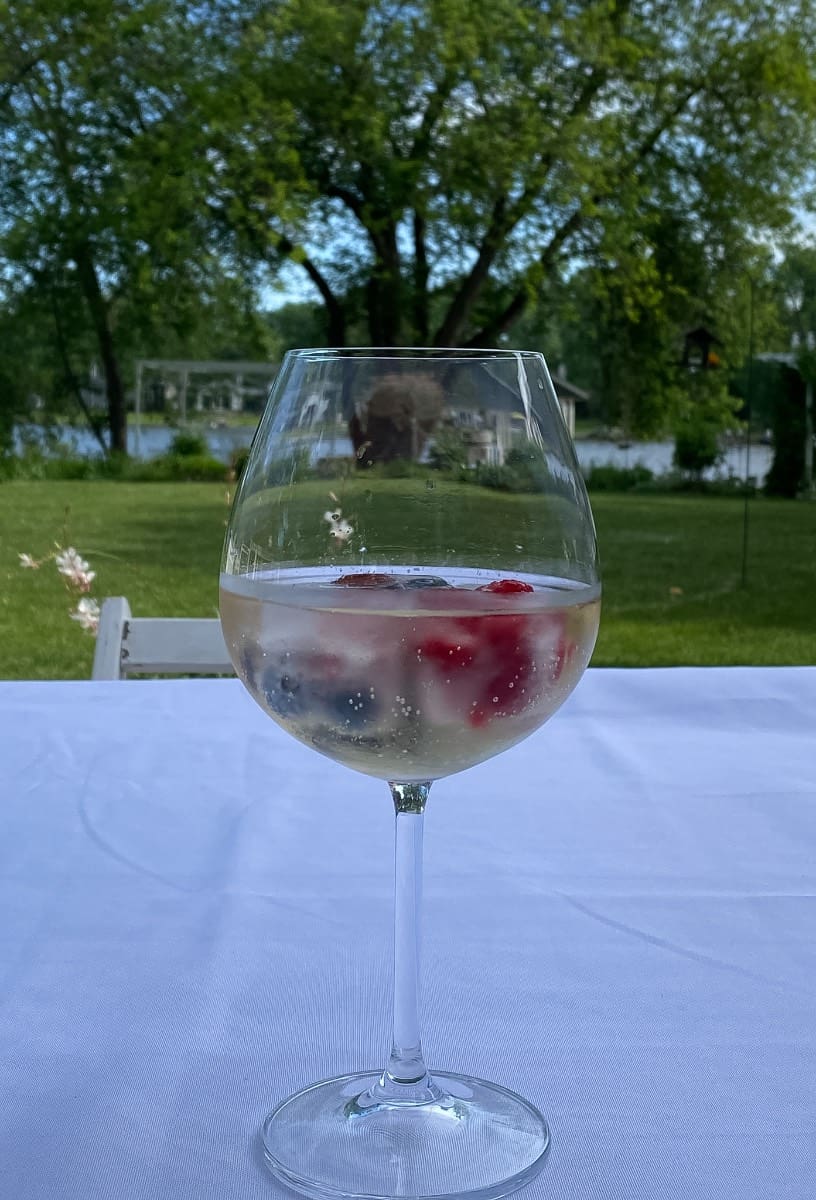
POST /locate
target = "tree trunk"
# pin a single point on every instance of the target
(98, 308)
(96, 425)
(421, 274)
(384, 291)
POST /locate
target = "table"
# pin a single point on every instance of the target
(620, 923)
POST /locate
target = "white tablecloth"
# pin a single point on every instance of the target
(620, 924)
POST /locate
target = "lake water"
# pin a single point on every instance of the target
(152, 440)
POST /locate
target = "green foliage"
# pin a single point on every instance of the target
(696, 446)
(521, 471)
(293, 327)
(107, 245)
(185, 443)
(295, 466)
(437, 173)
(449, 450)
(178, 468)
(332, 467)
(608, 478)
(169, 468)
(511, 137)
(399, 468)
(706, 412)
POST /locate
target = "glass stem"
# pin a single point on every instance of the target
(406, 1075)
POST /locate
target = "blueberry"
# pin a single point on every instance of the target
(250, 656)
(284, 692)
(353, 707)
(424, 581)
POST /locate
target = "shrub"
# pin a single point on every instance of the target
(401, 468)
(178, 468)
(69, 468)
(449, 450)
(295, 466)
(332, 467)
(33, 464)
(188, 445)
(609, 478)
(696, 446)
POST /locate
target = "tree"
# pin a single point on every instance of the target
(706, 410)
(444, 161)
(789, 424)
(99, 182)
(791, 415)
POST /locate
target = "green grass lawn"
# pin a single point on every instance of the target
(672, 591)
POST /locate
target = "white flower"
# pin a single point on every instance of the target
(84, 579)
(69, 562)
(75, 569)
(339, 526)
(87, 613)
(342, 531)
(27, 561)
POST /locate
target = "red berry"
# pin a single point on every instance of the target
(496, 629)
(367, 580)
(563, 656)
(445, 653)
(505, 587)
(508, 690)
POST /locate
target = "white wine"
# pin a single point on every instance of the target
(408, 676)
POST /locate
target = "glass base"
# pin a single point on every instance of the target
(345, 1138)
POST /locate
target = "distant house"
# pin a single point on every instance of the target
(568, 396)
(491, 422)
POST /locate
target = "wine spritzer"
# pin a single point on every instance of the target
(406, 675)
(410, 585)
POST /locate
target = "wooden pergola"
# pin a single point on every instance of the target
(183, 370)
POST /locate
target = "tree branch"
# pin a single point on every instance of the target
(471, 286)
(433, 111)
(353, 202)
(513, 310)
(11, 84)
(505, 217)
(334, 309)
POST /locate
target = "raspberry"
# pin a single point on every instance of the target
(563, 655)
(495, 629)
(505, 587)
(507, 691)
(368, 580)
(444, 653)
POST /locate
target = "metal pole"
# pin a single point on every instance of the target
(808, 439)
(748, 398)
(137, 432)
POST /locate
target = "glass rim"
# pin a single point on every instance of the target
(438, 353)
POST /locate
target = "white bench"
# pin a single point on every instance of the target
(128, 645)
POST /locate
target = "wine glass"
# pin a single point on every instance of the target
(409, 586)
